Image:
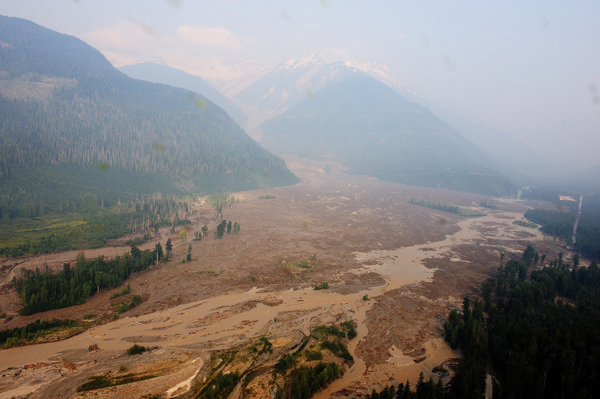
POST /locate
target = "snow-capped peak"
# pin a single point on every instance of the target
(153, 60)
(311, 58)
(316, 59)
(378, 71)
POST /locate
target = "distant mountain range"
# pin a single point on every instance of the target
(161, 73)
(272, 92)
(516, 159)
(368, 127)
(71, 124)
(587, 179)
(294, 81)
(293, 108)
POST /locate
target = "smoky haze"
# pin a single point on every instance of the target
(257, 199)
(531, 71)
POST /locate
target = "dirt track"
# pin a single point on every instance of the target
(413, 263)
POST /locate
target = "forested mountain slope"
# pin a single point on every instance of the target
(365, 125)
(160, 73)
(72, 123)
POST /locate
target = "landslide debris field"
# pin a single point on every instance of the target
(393, 270)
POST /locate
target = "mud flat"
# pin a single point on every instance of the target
(240, 316)
(412, 264)
(223, 319)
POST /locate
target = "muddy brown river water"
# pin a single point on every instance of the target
(341, 218)
(226, 320)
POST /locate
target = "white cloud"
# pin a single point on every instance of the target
(206, 36)
(200, 50)
(119, 60)
(125, 35)
(212, 68)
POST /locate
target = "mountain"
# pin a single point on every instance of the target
(365, 125)
(71, 124)
(160, 73)
(269, 94)
(242, 73)
(287, 84)
(584, 180)
(514, 158)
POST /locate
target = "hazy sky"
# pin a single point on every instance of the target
(530, 69)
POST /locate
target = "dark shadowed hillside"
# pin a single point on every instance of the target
(369, 128)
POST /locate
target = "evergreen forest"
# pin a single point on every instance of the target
(588, 229)
(536, 328)
(540, 329)
(559, 223)
(88, 223)
(40, 291)
(554, 222)
(73, 128)
(446, 208)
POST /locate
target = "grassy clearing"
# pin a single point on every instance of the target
(19, 230)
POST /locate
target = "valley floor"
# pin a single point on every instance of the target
(394, 268)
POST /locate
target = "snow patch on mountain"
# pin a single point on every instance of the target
(153, 60)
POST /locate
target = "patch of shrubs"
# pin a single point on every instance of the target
(136, 350)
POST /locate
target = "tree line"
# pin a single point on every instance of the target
(228, 227)
(554, 222)
(560, 222)
(106, 117)
(101, 133)
(165, 206)
(303, 382)
(446, 208)
(588, 229)
(424, 389)
(540, 329)
(143, 214)
(40, 292)
(20, 335)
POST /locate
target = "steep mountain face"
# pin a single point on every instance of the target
(159, 73)
(66, 116)
(369, 128)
